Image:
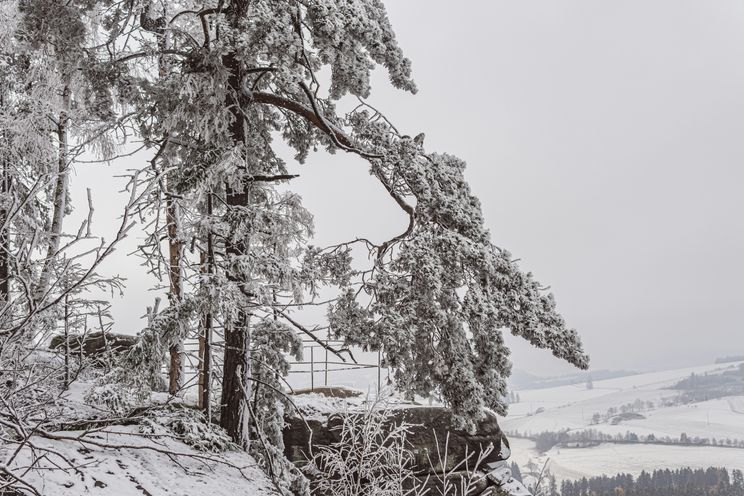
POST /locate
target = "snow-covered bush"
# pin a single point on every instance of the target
(135, 374)
(370, 458)
(449, 483)
(187, 425)
(119, 391)
(30, 383)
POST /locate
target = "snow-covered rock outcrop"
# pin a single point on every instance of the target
(440, 450)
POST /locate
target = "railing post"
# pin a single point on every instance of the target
(312, 368)
(379, 371)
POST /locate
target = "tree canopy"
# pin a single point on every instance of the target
(209, 88)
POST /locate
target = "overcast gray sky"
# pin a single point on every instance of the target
(605, 140)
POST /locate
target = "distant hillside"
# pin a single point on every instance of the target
(697, 387)
(524, 380)
(689, 417)
(729, 359)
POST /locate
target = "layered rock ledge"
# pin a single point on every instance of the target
(440, 450)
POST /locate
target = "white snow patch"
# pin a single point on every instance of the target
(128, 471)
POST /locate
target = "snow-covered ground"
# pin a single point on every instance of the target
(126, 460)
(154, 467)
(611, 459)
(572, 407)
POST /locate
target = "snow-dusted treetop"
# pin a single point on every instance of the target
(213, 83)
(438, 295)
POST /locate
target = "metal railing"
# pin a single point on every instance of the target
(313, 363)
(328, 365)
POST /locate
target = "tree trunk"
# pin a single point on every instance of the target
(234, 416)
(5, 188)
(205, 365)
(176, 351)
(175, 369)
(205, 341)
(67, 342)
(60, 196)
(236, 386)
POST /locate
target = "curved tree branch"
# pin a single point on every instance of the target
(314, 116)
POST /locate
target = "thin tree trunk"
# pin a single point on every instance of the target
(176, 351)
(206, 393)
(236, 386)
(175, 370)
(60, 195)
(205, 363)
(5, 188)
(67, 341)
(235, 416)
(205, 340)
(202, 343)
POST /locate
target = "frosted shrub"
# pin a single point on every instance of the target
(115, 398)
(448, 483)
(188, 426)
(370, 458)
(119, 391)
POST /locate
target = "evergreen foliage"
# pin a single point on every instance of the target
(662, 482)
(208, 87)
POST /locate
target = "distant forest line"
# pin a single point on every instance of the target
(546, 440)
(680, 482)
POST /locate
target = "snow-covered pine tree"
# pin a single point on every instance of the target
(56, 36)
(435, 299)
(440, 293)
(152, 20)
(56, 106)
(27, 152)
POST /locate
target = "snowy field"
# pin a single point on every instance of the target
(572, 407)
(611, 459)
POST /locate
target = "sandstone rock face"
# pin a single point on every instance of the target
(298, 435)
(430, 441)
(94, 344)
(437, 446)
(331, 391)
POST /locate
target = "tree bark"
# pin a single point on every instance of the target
(5, 189)
(175, 369)
(176, 351)
(236, 386)
(205, 341)
(205, 364)
(60, 195)
(234, 416)
(67, 342)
